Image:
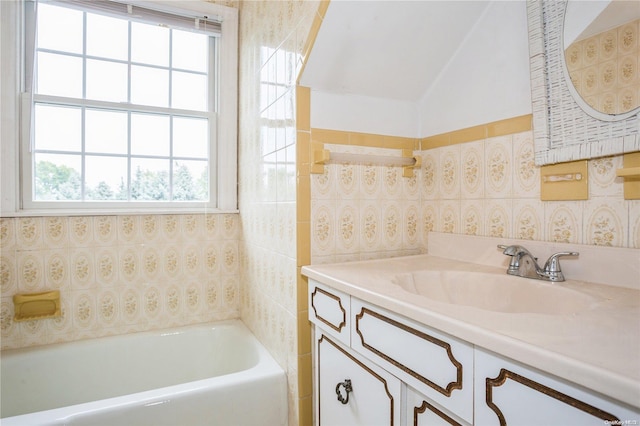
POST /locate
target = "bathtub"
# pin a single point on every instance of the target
(211, 374)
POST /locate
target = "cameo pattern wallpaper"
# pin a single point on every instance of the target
(488, 187)
(119, 274)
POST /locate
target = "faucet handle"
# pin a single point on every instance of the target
(513, 250)
(510, 251)
(516, 252)
(552, 267)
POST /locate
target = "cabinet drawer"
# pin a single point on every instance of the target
(509, 393)
(421, 411)
(374, 397)
(330, 310)
(437, 365)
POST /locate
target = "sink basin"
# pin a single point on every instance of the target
(494, 292)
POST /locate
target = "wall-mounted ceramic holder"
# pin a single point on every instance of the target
(34, 306)
(564, 181)
(631, 175)
(407, 171)
(321, 156)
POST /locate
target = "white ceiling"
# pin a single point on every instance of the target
(389, 49)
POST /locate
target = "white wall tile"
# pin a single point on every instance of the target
(634, 223)
(602, 177)
(56, 232)
(564, 221)
(8, 274)
(348, 226)
(472, 217)
(498, 218)
(528, 216)
(449, 173)
(430, 174)
(370, 226)
(499, 167)
(605, 223)
(472, 170)
(347, 181)
(393, 185)
(526, 182)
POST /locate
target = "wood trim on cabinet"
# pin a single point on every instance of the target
(339, 327)
(363, 366)
(506, 374)
(449, 388)
(425, 405)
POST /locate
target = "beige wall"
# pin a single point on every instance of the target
(467, 184)
(491, 187)
(119, 274)
(274, 41)
(363, 211)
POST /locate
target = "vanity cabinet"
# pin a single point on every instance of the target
(508, 393)
(400, 372)
(388, 363)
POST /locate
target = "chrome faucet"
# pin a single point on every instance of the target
(523, 264)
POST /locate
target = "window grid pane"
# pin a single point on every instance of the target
(115, 154)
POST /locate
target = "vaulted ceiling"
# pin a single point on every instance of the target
(388, 49)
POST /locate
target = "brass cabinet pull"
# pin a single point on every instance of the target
(347, 389)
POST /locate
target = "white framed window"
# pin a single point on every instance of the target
(122, 106)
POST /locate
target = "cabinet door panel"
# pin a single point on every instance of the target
(509, 393)
(329, 309)
(375, 395)
(437, 365)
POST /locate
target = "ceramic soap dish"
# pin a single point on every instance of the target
(37, 306)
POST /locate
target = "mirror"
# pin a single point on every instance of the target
(601, 55)
(565, 126)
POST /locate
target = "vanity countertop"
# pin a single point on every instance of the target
(598, 347)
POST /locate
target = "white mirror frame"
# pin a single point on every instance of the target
(562, 130)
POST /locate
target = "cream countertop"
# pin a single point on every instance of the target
(598, 347)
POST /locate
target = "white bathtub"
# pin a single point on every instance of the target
(211, 374)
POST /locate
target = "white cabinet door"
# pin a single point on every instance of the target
(508, 393)
(373, 397)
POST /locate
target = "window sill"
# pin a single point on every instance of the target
(115, 212)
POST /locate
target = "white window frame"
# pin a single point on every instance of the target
(14, 116)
